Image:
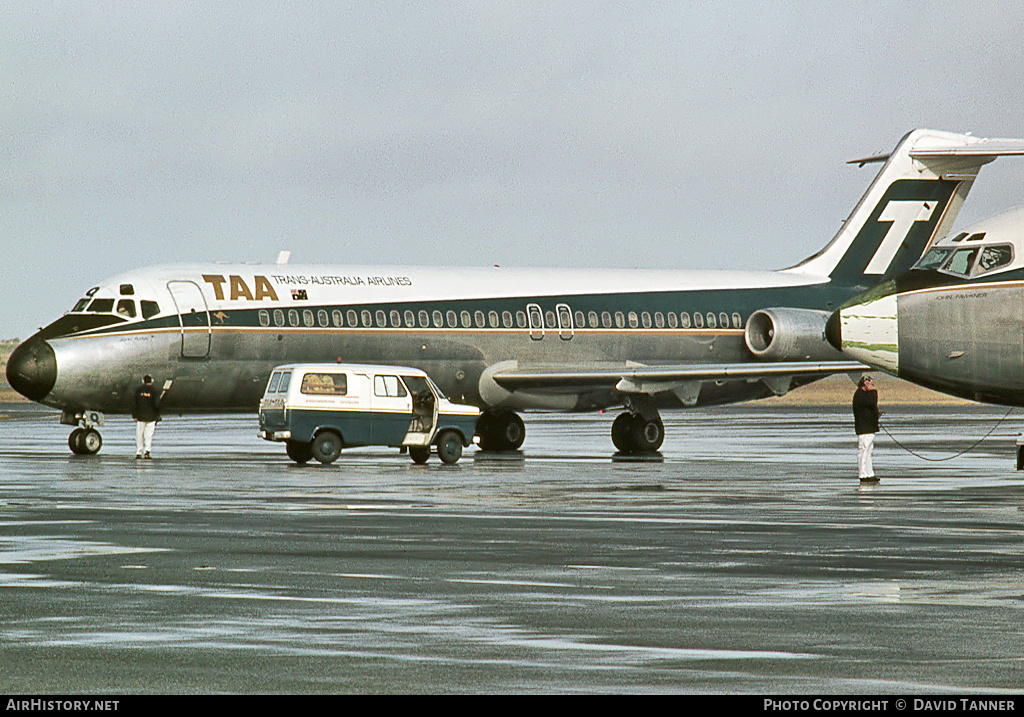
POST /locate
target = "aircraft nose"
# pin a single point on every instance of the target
(868, 332)
(32, 369)
(834, 331)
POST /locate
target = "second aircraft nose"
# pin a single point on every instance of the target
(32, 369)
(868, 332)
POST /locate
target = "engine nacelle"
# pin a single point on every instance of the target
(782, 334)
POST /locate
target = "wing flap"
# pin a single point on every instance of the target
(653, 379)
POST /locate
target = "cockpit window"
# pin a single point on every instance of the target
(149, 308)
(994, 257)
(82, 303)
(126, 307)
(961, 262)
(101, 306)
(933, 259)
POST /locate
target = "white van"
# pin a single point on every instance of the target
(317, 409)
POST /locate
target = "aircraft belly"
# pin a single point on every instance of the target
(966, 341)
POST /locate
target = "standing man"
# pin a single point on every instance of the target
(865, 422)
(146, 413)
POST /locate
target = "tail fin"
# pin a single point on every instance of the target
(912, 202)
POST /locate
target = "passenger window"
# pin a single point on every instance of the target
(737, 320)
(723, 320)
(698, 320)
(278, 317)
(424, 319)
(264, 317)
(673, 320)
(338, 320)
(325, 384)
(506, 319)
(620, 320)
(396, 319)
(382, 319)
(352, 317)
(367, 318)
(592, 318)
(993, 257)
(453, 319)
(307, 317)
(521, 319)
(659, 320)
(645, 319)
(580, 320)
(711, 321)
(388, 386)
(478, 318)
(684, 319)
(293, 317)
(492, 319)
(410, 319)
(467, 321)
(322, 317)
(633, 321)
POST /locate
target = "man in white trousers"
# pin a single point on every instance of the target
(865, 421)
(146, 413)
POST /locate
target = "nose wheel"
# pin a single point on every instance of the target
(85, 441)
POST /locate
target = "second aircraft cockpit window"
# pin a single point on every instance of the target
(123, 308)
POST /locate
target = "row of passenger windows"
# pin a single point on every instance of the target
(492, 320)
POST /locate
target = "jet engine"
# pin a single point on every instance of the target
(782, 334)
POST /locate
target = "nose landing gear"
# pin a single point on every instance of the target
(84, 440)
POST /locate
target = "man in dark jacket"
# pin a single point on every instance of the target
(865, 422)
(146, 412)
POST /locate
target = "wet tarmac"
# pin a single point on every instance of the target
(748, 559)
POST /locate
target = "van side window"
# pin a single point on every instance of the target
(329, 384)
(274, 380)
(388, 386)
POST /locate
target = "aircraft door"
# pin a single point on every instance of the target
(193, 316)
(536, 318)
(565, 328)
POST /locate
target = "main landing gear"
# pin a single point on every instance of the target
(84, 440)
(500, 431)
(634, 433)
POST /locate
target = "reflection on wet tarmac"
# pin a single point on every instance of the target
(747, 559)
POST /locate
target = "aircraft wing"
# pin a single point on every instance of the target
(683, 379)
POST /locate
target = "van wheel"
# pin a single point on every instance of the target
(299, 451)
(449, 447)
(419, 454)
(326, 447)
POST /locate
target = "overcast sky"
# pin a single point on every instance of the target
(651, 135)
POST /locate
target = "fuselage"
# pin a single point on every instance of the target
(218, 330)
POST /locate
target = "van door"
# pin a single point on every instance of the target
(424, 411)
(193, 317)
(391, 404)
